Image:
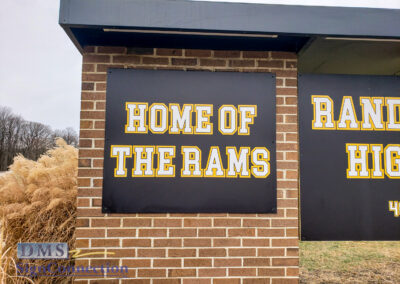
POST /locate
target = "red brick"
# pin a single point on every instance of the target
(155, 61)
(292, 271)
(92, 134)
(151, 252)
(152, 232)
(111, 49)
(212, 272)
(285, 73)
(197, 53)
(256, 222)
(167, 263)
(126, 59)
(89, 192)
(197, 262)
(283, 55)
(101, 86)
(181, 252)
(242, 63)
(93, 95)
(136, 243)
(92, 114)
(227, 262)
(242, 252)
(136, 262)
(121, 253)
(168, 52)
(182, 232)
(259, 242)
(140, 50)
(256, 54)
(256, 281)
(84, 163)
(167, 242)
(285, 261)
(96, 202)
(152, 272)
(90, 233)
(86, 124)
(88, 67)
(86, 77)
(90, 153)
(83, 202)
(292, 252)
(291, 82)
(197, 242)
(242, 271)
(270, 63)
(86, 212)
(227, 281)
(104, 67)
(270, 232)
(167, 222)
(121, 233)
(213, 62)
(271, 272)
(248, 232)
(226, 53)
(106, 222)
(196, 281)
(284, 281)
(228, 242)
(286, 222)
(105, 242)
(85, 105)
(212, 232)
(82, 243)
(271, 252)
(184, 61)
(91, 58)
(227, 222)
(181, 272)
(260, 261)
(212, 252)
(292, 232)
(87, 143)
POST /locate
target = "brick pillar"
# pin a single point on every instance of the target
(190, 248)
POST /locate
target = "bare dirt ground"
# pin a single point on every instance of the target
(350, 262)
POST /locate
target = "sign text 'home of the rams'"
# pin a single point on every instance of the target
(189, 142)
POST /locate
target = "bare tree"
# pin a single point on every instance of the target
(36, 140)
(31, 139)
(69, 135)
(10, 132)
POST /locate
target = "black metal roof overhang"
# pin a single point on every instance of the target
(217, 25)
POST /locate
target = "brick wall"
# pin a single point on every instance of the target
(189, 248)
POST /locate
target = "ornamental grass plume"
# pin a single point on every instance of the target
(38, 204)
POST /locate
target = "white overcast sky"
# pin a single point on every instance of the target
(40, 67)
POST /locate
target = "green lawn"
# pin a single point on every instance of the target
(350, 262)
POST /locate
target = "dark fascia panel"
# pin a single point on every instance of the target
(231, 17)
(96, 36)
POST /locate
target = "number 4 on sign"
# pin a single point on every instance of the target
(394, 206)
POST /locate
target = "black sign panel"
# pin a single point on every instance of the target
(349, 157)
(191, 141)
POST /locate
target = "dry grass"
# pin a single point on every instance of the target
(38, 204)
(350, 262)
